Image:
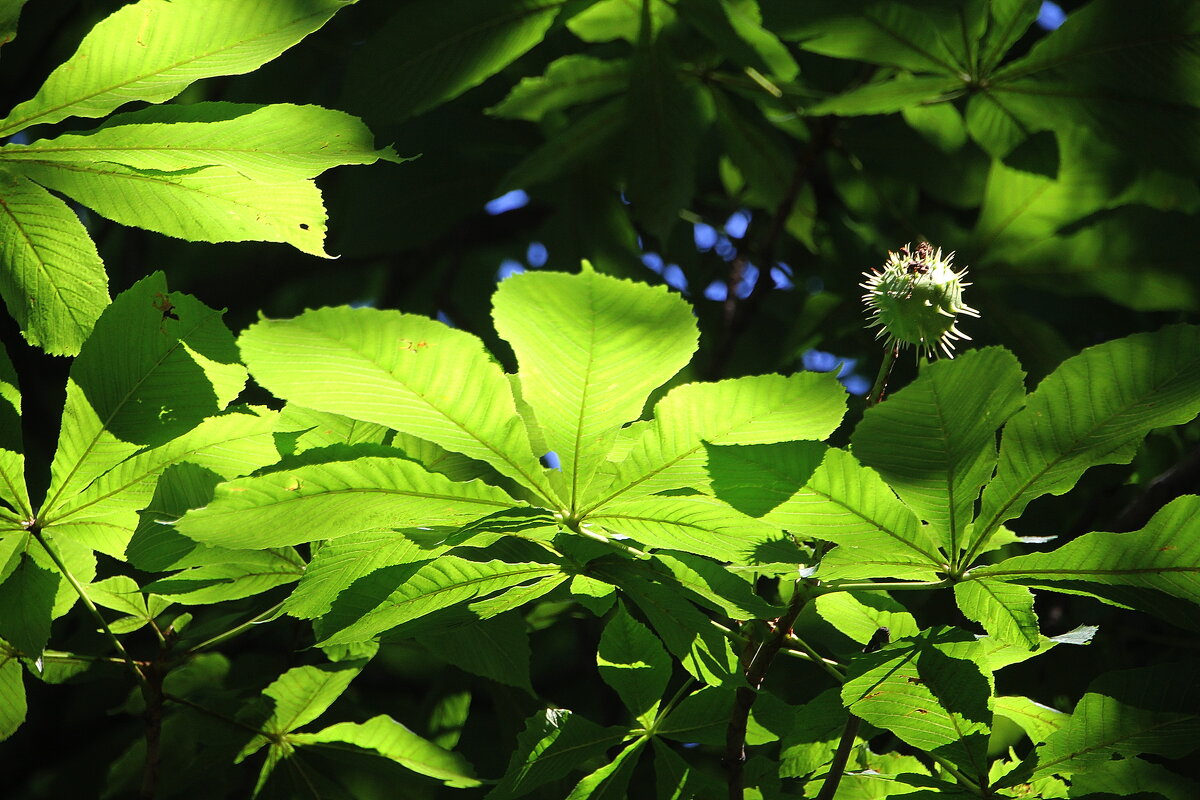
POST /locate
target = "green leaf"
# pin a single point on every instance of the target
(27, 601)
(673, 451)
(1106, 70)
(666, 117)
(12, 692)
(1029, 197)
(252, 573)
(692, 524)
(324, 501)
(554, 742)
(14, 497)
(612, 343)
(850, 505)
(1007, 23)
(611, 781)
(339, 563)
(1133, 777)
(393, 741)
(1004, 610)
(1076, 420)
(715, 586)
(1146, 710)
(422, 56)
(632, 662)
(1162, 557)
(931, 693)
(814, 737)
(375, 604)
(860, 615)
(299, 696)
(144, 377)
(10, 10)
(202, 204)
(407, 372)
(569, 151)
(934, 440)
(886, 97)
(272, 144)
(567, 82)
(228, 445)
(153, 49)
(687, 633)
(735, 27)
(1038, 721)
(52, 278)
(497, 649)
(320, 429)
(606, 20)
(878, 32)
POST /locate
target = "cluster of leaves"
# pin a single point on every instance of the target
(207, 172)
(361, 571)
(400, 491)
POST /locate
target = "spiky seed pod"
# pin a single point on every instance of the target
(915, 299)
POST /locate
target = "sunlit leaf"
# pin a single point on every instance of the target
(589, 359)
(153, 49)
(632, 661)
(409, 373)
(395, 742)
(1074, 421)
(156, 365)
(553, 743)
(934, 440)
(51, 277)
(324, 501)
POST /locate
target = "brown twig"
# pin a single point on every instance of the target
(756, 672)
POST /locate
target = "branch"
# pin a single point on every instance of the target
(756, 672)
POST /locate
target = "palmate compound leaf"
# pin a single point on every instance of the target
(590, 348)
(1146, 710)
(156, 365)
(324, 501)
(932, 691)
(1094, 409)
(934, 441)
(410, 373)
(153, 49)
(850, 505)
(1126, 569)
(51, 277)
(272, 144)
(674, 450)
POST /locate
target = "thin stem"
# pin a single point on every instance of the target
(36, 532)
(831, 667)
(879, 390)
(229, 634)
